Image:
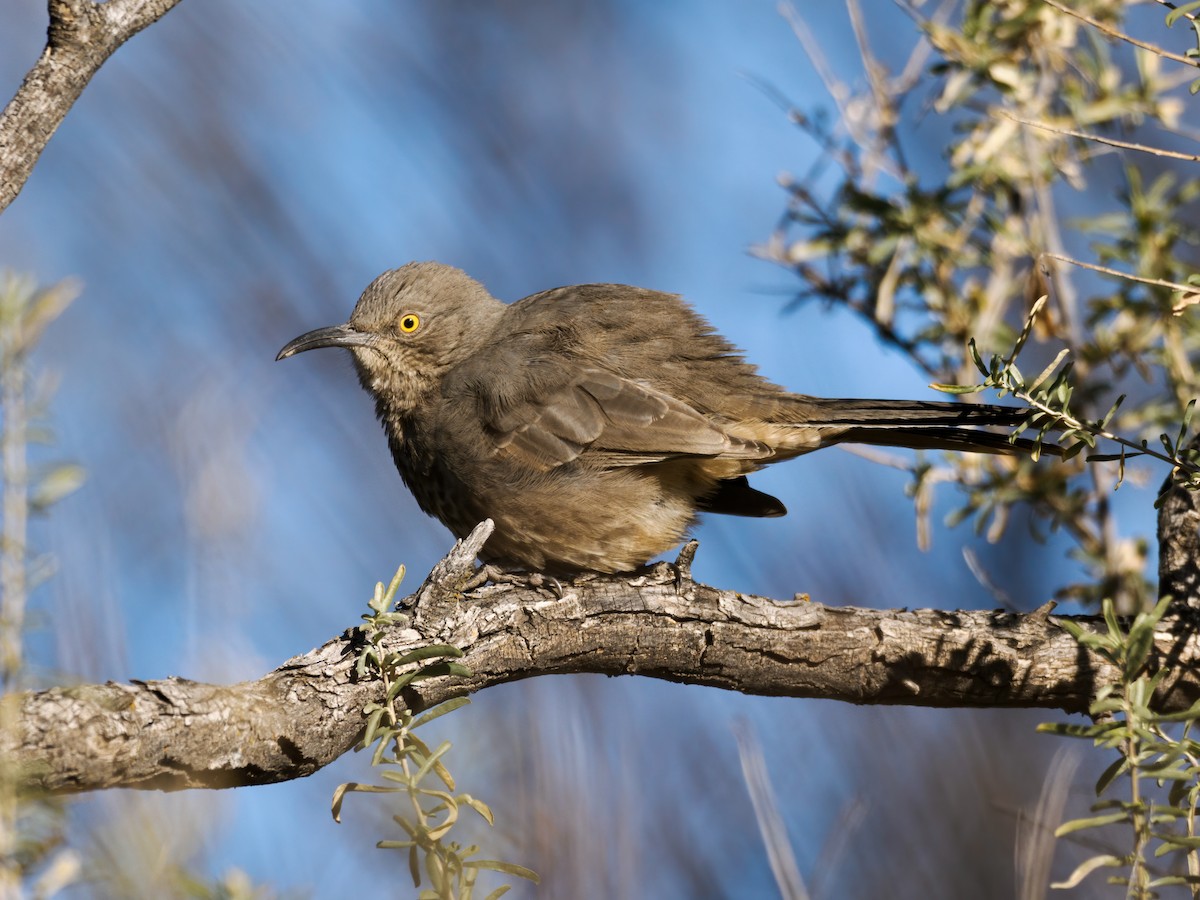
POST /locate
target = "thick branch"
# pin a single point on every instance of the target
(178, 734)
(82, 35)
(1179, 540)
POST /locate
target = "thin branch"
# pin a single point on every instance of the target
(1100, 139)
(1105, 270)
(1122, 36)
(81, 36)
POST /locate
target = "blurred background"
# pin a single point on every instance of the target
(235, 176)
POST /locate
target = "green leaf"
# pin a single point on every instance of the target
(445, 669)
(46, 306)
(59, 482)
(1137, 648)
(430, 652)
(1105, 705)
(1074, 449)
(1172, 842)
(440, 710)
(390, 594)
(1188, 412)
(443, 773)
(436, 873)
(1112, 411)
(1027, 328)
(1093, 822)
(1064, 729)
(977, 359)
(440, 831)
(409, 828)
(1179, 12)
(1169, 880)
(442, 750)
(1118, 767)
(372, 726)
(339, 794)
(1086, 868)
(499, 892)
(479, 806)
(419, 745)
(958, 388)
(1141, 637)
(1190, 714)
(512, 869)
(1046, 372)
(1110, 619)
(401, 682)
(414, 866)
(381, 747)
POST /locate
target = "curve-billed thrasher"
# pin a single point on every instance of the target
(592, 423)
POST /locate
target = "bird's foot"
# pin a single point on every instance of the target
(489, 572)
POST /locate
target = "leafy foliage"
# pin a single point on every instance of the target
(408, 766)
(945, 262)
(1153, 751)
(950, 263)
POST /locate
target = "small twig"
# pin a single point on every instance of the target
(1117, 273)
(1139, 448)
(838, 90)
(1100, 139)
(1122, 36)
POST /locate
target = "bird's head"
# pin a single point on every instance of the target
(410, 326)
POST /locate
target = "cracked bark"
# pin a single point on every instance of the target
(175, 733)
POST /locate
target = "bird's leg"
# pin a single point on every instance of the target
(493, 573)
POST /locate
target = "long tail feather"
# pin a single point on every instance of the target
(919, 424)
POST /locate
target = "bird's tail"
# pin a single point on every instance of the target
(920, 424)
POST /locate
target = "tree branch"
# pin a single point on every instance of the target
(177, 734)
(81, 36)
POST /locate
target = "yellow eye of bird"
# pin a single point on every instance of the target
(410, 322)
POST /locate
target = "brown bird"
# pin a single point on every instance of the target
(593, 423)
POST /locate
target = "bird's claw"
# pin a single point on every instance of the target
(489, 572)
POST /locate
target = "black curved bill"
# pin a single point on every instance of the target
(330, 336)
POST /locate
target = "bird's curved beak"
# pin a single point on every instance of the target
(330, 336)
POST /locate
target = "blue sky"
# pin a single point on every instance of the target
(231, 179)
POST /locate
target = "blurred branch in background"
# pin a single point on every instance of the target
(766, 810)
(81, 36)
(25, 312)
(935, 256)
(31, 827)
(941, 258)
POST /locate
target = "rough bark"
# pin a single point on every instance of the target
(176, 733)
(81, 36)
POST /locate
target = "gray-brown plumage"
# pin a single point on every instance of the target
(592, 423)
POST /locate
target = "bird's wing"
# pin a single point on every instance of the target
(617, 421)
